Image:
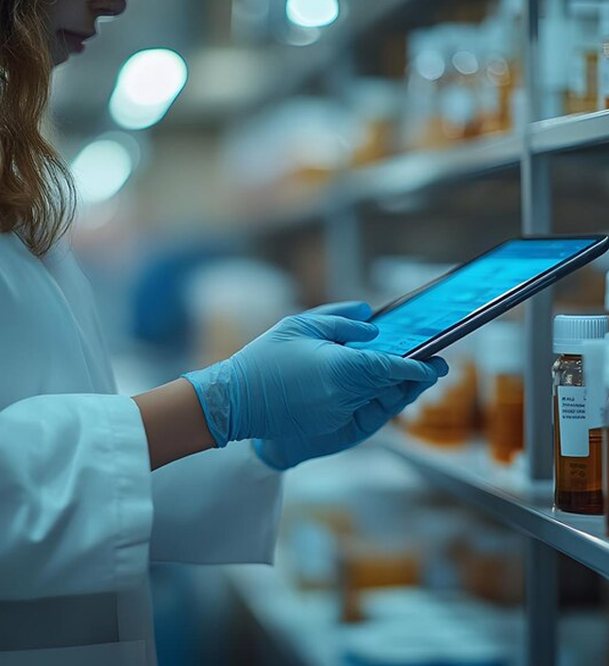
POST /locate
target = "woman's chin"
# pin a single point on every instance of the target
(60, 55)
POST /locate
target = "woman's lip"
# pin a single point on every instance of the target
(76, 40)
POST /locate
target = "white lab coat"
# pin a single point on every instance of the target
(80, 513)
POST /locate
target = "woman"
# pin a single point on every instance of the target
(80, 513)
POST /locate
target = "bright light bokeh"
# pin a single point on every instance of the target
(147, 85)
(101, 169)
(312, 13)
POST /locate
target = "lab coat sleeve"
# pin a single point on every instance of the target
(75, 496)
(218, 507)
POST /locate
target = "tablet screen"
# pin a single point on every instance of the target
(468, 290)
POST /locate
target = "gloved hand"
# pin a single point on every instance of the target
(295, 382)
(286, 453)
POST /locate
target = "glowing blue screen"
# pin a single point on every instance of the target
(466, 291)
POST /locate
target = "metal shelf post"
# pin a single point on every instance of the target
(343, 255)
(541, 560)
(542, 603)
(342, 228)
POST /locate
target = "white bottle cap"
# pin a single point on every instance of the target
(571, 331)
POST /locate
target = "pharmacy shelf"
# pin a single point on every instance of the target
(397, 177)
(303, 626)
(569, 132)
(414, 172)
(470, 475)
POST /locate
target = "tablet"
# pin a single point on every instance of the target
(426, 321)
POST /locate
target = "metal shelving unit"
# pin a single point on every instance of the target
(401, 176)
(523, 502)
(414, 172)
(411, 173)
(506, 495)
(558, 134)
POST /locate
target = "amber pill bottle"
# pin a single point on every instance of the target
(578, 468)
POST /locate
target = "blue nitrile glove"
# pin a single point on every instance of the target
(295, 381)
(285, 453)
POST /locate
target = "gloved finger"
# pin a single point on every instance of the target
(341, 329)
(439, 364)
(395, 395)
(399, 396)
(368, 419)
(349, 309)
(407, 391)
(416, 389)
(387, 405)
(372, 417)
(389, 369)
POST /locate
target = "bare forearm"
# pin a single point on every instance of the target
(174, 421)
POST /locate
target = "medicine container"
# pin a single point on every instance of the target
(578, 482)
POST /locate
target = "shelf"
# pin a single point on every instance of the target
(396, 177)
(304, 627)
(569, 132)
(471, 476)
(414, 172)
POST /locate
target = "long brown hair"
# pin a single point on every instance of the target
(37, 194)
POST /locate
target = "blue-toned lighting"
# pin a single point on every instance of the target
(101, 169)
(147, 85)
(312, 13)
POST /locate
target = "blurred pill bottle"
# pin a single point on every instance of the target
(363, 565)
(233, 301)
(491, 564)
(582, 87)
(578, 478)
(603, 59)
(375, 102)
(447, 414)
(554, 58)
(426, 69)
(311, 537)
(460, 103)
(501, 80)
(500, 359)
(495, 82)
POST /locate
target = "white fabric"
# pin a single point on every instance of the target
(76, 497)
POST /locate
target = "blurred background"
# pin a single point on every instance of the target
(240, 160)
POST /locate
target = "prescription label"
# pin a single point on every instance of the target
(573, 422)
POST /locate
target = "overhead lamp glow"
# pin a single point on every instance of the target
(147, 85)
(101, 169)
(312, 13)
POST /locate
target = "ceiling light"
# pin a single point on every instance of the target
(101, 169)
(147, 85)
(312, 13)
